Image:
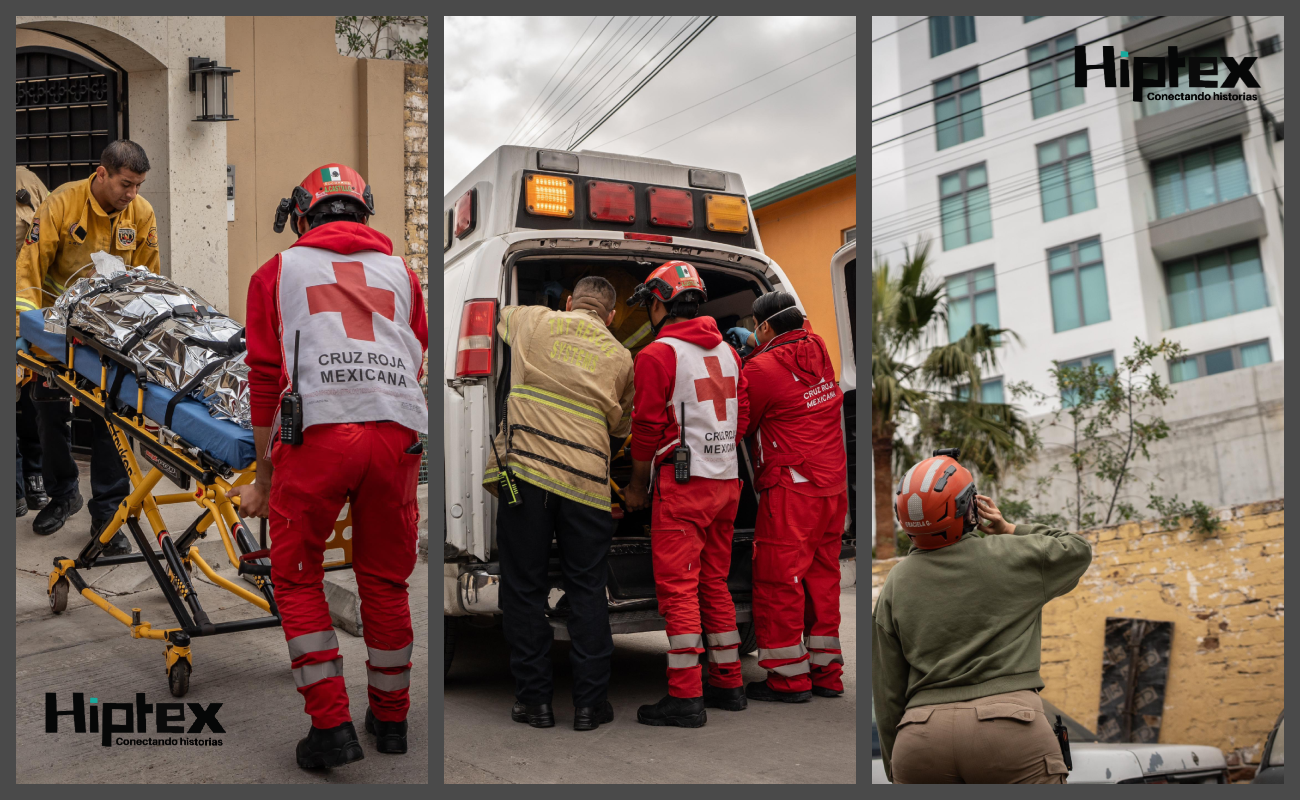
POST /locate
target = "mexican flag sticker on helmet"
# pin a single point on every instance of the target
(682, 272)
(328, 174)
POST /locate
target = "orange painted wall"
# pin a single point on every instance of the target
(801, 233)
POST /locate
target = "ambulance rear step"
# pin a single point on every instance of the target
(640, 621)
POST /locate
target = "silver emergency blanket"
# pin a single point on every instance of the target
(113, 303)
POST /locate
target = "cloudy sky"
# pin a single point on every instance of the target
(495, 67)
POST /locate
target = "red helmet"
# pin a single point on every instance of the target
(330, 189)
(935, 501)
(669, 282)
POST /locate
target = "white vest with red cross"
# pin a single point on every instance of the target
(358, 358)
(705, 391)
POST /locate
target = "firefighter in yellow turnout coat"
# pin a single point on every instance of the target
(101, 212)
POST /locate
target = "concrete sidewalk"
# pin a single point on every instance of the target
(86, 650)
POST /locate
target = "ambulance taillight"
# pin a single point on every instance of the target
(474, 346)
(611, 202)
(671, 208)
(466, 213)
(549, 195)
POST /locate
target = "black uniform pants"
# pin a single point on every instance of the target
(29, 438)
(109, 483)
(583, 534)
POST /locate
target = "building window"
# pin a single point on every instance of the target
(1030, 19)
(949, 33)
(972, 298)
(990, 391)
(1216, 361)
(964, 207)
(1213, 50)
(1069, 397)
(1078, 283)
(1065, 176)
(850, 235)
(1051, 76)
(1269, 46)
(1200, 178)
(957, 114)
(1215, 284)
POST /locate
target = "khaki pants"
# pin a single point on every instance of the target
(1003, 738)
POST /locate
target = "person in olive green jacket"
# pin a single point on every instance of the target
(956, 636)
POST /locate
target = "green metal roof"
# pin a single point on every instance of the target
(805, 183)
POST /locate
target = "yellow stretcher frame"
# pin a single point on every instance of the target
(172, 566)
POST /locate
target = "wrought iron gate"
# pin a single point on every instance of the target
(67, 113)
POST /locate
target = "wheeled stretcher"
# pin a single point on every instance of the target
(193, 450)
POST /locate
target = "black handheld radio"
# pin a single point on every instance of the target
(682, 453)
(291, 405)
(1063, 739)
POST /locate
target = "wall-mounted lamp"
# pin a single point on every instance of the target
(204, 75)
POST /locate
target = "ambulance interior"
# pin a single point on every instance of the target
(549, 282)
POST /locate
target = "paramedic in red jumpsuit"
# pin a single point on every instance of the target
(801, 473)
(360, 311)
(689, 367)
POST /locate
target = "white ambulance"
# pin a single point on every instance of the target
(517, 230)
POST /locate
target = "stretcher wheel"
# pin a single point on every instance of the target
(178, 678)
(59, 596)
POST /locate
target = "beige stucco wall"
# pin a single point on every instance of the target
(309, 106)
(186, 183)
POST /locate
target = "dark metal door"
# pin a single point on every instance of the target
(67, 113)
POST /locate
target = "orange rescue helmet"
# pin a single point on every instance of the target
(935, 501)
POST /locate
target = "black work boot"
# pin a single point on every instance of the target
(759, 690)
(725, 699)
(329, 747)
(36, 496)
(390, 737)
(680, 712)
(119, 545)
(589, 718)
(22, 506)
(540, 716)
(56, 512)
(822, 691)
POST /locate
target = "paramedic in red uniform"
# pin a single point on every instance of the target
(689, 369)
(801, 474)
(363, 330)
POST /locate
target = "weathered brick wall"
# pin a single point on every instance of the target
(417, 173)
(1225, 597)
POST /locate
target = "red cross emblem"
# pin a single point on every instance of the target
(351, 297)
(715, 387)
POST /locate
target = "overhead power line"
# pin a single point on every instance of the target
(548, 80)
(694, 35)
(896, 30)
(997, 101)
(602, 102)
(571, 66)
(747, 105)
(720, 94)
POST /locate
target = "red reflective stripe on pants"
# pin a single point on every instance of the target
(797, 542)
(311, 483)
(690, 538)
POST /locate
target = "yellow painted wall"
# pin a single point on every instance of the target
(1225, 597)
(299, 107)
(801, 233)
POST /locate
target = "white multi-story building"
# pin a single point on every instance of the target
(1079, 218)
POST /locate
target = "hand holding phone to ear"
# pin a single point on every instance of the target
(991, 517)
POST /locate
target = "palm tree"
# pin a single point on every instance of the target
(918, 379)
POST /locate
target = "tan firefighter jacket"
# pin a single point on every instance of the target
(570, 391)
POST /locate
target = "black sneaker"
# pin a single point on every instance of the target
(36, 496)
(329, 747)
(759, 690)
(589, 718)
(56, 513)
(680, 712)
(540, 716)
(119, 545)
(390, 737)
(822, 691)
(22, 506)
(725, 699)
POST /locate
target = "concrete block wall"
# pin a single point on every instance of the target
(416, 111)
(1226, 599)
